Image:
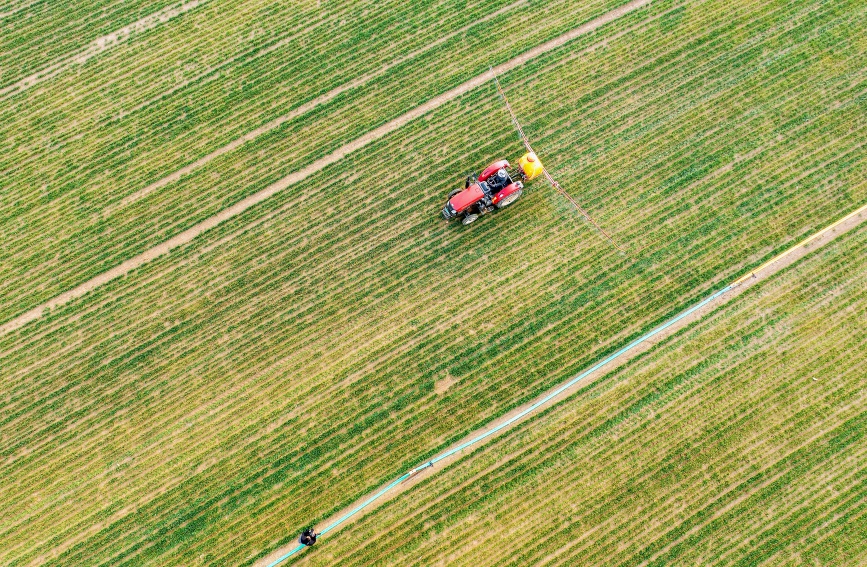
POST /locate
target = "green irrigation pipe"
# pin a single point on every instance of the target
(529, 409)
(536, 405)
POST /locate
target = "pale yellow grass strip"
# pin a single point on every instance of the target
(101, 44)
(800, 244)
(188, 235)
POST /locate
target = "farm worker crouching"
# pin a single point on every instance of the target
(308, 537)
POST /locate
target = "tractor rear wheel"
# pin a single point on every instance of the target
(469, 218)
(510, 199)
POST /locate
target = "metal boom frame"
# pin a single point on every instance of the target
(548, 176)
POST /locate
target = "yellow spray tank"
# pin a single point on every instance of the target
(530, 165)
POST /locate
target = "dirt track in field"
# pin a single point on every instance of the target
(296, 112)
(188, 235)
(762, 273)
(101, 44)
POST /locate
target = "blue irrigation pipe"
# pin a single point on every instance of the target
(344, 518)
(529, 409)
(581, 376)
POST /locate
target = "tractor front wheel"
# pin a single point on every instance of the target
(469, 218)
(510, 199)
(453, 193)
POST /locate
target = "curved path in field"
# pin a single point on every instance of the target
(316, 166)
(295, 112)
(99, 45)
(564, 390)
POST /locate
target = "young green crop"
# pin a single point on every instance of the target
(738, 440)
(36, 34)
(175, 415)
(80, 146)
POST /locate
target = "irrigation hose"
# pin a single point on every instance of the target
(539, 403)
(529, 409)
(344, 518)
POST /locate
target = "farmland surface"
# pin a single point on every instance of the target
(78, 153)
(203, 408)
(740, 441)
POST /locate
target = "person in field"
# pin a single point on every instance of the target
(308, 537)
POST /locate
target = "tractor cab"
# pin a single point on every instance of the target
(494, 189)
(494, 183)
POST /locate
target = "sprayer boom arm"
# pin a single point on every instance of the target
(548, 176)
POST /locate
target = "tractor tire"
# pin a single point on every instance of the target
(469, 219)
(510, 199)
(453, 193)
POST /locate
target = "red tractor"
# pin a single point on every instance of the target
(494, 189)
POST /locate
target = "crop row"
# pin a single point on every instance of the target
(72, 416)
(36, 34)
(716, 447)
(72, 159)
(316, 283)
(331, 321)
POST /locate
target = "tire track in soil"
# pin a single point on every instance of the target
(294, 113)
(781, 266)
(767, 271)
(293, 178)
(607, 525)
(99, 45)
(150, 279)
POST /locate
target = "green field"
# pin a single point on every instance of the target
(187, 413)
(740, 441)
(72, 149)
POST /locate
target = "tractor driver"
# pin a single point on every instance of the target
(499, 179)
(308, 537)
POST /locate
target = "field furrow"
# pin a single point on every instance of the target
(64, 174)
(317, 326)
(748, 449)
